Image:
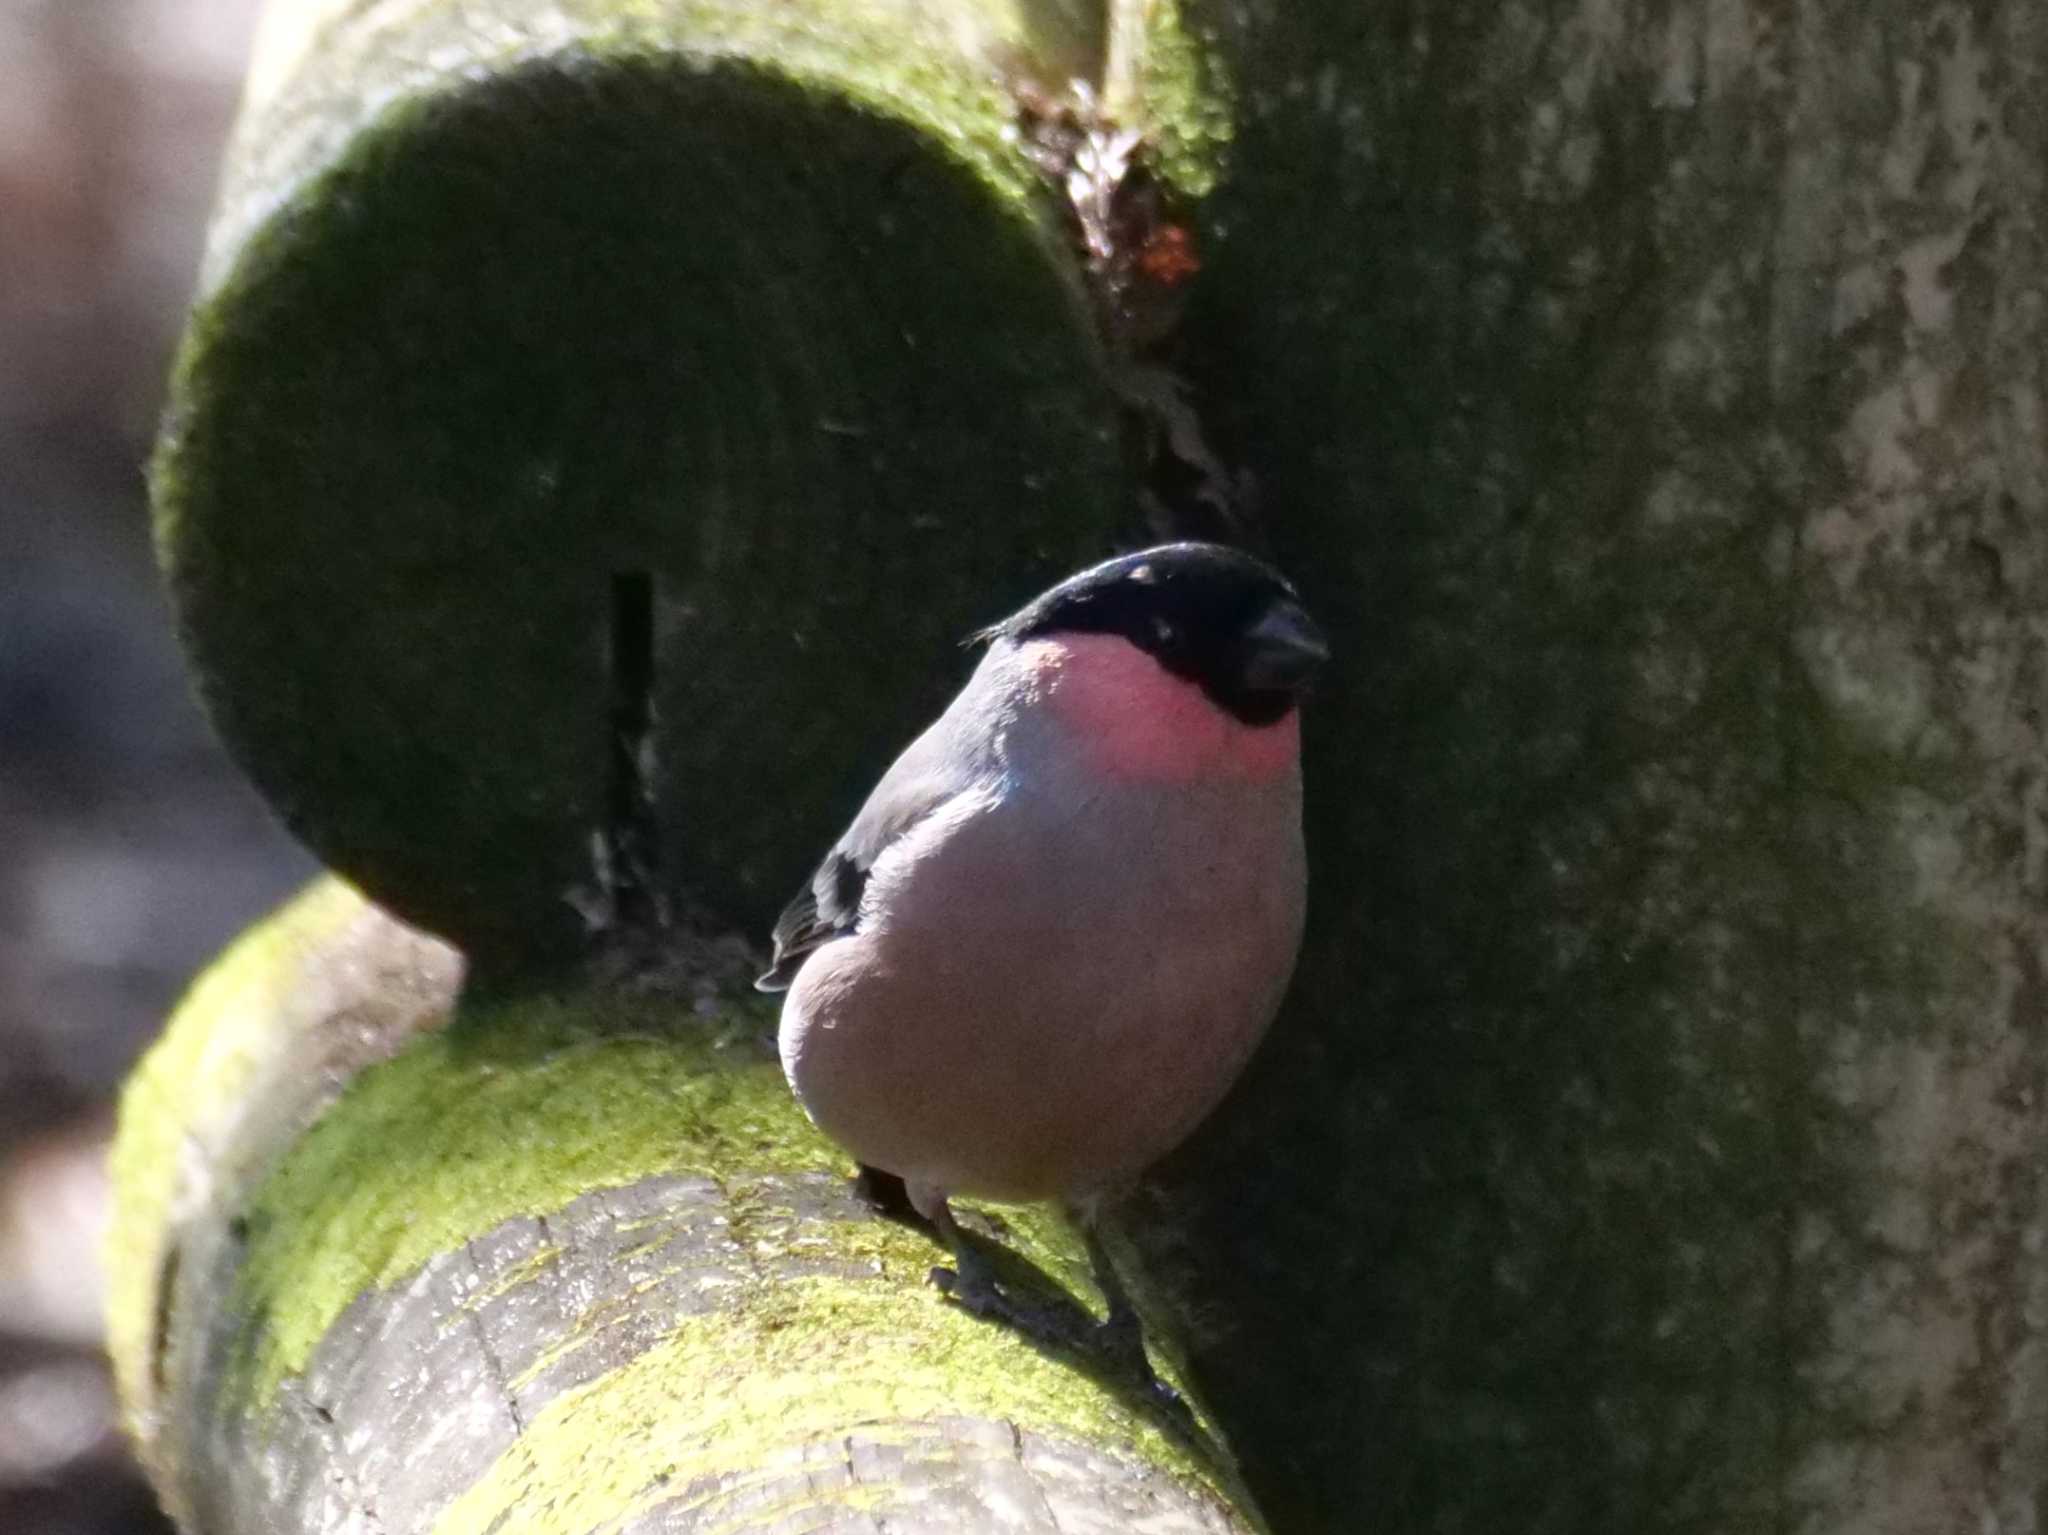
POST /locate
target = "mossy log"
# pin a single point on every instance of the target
(1651, 400)
(689, 371)
(391, 1260)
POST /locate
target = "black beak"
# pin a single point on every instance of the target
(1283, 650)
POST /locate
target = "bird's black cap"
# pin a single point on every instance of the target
(1217, 616)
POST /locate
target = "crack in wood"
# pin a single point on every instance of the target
(161, 1316)
(1139, 254)
(494, 1367)
(348, 1487)
(631, 862)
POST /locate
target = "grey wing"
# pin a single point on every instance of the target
(928, 774)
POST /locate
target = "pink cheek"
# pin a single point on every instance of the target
(1145, 725)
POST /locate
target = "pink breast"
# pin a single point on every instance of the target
(1142, 724)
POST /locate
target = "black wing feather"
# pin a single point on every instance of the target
(932, 769)
(825, 909)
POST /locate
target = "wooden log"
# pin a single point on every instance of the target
(388, 1260)
(598, 415)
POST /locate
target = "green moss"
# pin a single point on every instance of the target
(794, 1363)
(1180, 96)
(515, 1112)
(939, 67)
(189, 1085)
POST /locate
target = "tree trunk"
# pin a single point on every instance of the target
(1651, 399)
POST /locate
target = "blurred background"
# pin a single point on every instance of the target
(130, 851)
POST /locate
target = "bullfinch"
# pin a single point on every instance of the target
(1051, 938)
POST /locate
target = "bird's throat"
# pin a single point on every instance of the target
(1139, 723)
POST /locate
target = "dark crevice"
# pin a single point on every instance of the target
(160, 1325)
(1139, 256)
(632, 845)
(494, 1367)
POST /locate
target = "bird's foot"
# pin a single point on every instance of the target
(1119, 1343)
(1119, 1339)
(974, 1288)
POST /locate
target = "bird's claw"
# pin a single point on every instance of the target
(979, 1294)
(1119, 1343)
